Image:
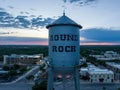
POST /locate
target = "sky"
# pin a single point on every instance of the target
(23, 22)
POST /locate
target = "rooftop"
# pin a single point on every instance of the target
(101, 71)
(95, 70)
(28, 56)
(64, 20)
(114, 64)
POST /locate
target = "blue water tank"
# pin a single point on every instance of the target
(64, 51)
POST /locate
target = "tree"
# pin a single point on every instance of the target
(6, 76)
(12, 72)
(1, 57)
(29, 77)
(90, 58)
(118, 88)
(41, 86)
(23, 69)
(6, 68)
(42, 68)
(104, 88)
(16, 66)
(84, 65)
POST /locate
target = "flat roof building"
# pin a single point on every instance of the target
(107, 56)
(97, 75)
(22, 59)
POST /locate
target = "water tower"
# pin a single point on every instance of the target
(64, 51)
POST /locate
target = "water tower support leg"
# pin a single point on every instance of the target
(50, 79)
(77, 80)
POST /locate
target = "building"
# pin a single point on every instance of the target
(100, 76)
(115, 67)
(108, 55)
(2, 73)
(97, 75)
(82, 60)
(111, 54)
(22, 59)
(83, 72)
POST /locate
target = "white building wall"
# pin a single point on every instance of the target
(97, 77)
(4, 59)
(108, 55)
(23, 59)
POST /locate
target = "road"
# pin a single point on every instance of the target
(16, 86)
(99, 86)
(87, 86)
(21, 83)
(59, 86)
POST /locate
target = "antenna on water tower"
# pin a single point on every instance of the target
(64, 12)
(64, 7)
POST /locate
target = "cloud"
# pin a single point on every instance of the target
(32, 16)
(3, 33)
(81, 2)
(39, 21)
(64, 1)
(21, 12)
(2, 9)
(23, 21)
(21, 39)
(100, 35)
(24, 12)
(6, 19)
(11, 7)
(32, 9)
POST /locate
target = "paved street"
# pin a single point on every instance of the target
(86, 86)
(24, 85)
(99, 86)
(21, 83)
(16, 86)
(59, 86)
